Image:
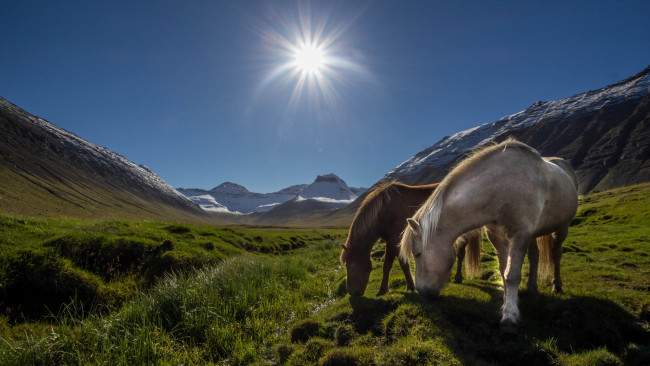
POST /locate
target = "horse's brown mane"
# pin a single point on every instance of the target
(372, 205)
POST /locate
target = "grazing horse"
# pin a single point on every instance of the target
(383, 214)
(514, 193)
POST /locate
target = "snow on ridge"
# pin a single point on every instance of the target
(457, 144)
(326, 199)
(98, 154)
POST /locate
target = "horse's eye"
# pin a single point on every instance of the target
(417, 255)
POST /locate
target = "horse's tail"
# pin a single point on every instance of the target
(473, 253)
(545, 247)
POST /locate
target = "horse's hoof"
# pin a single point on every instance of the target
(381, 292)
(557, 290)
(509, 327)
(458, 280)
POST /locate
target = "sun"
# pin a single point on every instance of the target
(310, 63)
(309, 58)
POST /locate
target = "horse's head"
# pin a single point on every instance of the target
(358, 271)
(433, 262)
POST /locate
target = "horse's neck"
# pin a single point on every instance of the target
(463, 209)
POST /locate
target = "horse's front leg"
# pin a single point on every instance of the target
(389, 258)
(406, 268)
(511, 280)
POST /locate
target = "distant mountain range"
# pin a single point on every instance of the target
(326, 191)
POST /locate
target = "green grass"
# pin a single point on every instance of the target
(46, 262)
(292, 309)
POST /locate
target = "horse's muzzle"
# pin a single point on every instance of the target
(356, 293)
(428, 293)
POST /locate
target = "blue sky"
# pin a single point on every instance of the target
(204, 92)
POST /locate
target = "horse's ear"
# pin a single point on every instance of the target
(415, 226)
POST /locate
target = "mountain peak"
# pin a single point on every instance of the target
(329, 178)
(230, 188)
(330, 186)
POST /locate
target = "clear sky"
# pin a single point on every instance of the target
(269, 94)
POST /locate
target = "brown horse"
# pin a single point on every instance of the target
(512, 191)
(383, 214)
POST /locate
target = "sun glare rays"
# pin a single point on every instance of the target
(311, 61)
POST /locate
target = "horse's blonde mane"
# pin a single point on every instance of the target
(428, 215)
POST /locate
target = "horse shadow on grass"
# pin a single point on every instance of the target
(549, 324)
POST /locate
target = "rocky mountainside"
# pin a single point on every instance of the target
(47, 171)
(327, 191)
(604, 133)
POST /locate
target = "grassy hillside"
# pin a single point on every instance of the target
(49, 172)
(293, 310)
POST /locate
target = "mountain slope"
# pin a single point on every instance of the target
(47, 171)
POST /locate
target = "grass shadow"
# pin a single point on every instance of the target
(367, 313)
(550, 323)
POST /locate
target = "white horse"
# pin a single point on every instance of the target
(514, 193)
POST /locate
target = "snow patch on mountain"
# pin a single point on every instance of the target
(208, 203)
(451, 147)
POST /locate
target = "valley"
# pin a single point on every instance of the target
(277, 296)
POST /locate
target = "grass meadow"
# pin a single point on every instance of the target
(160, 293)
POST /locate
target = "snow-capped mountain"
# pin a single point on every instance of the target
(50, 171)
(234, 198)
(599, 131)
(328, 188)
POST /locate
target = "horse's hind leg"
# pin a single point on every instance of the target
(533, 261)
(460, 256)
(558, 238)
